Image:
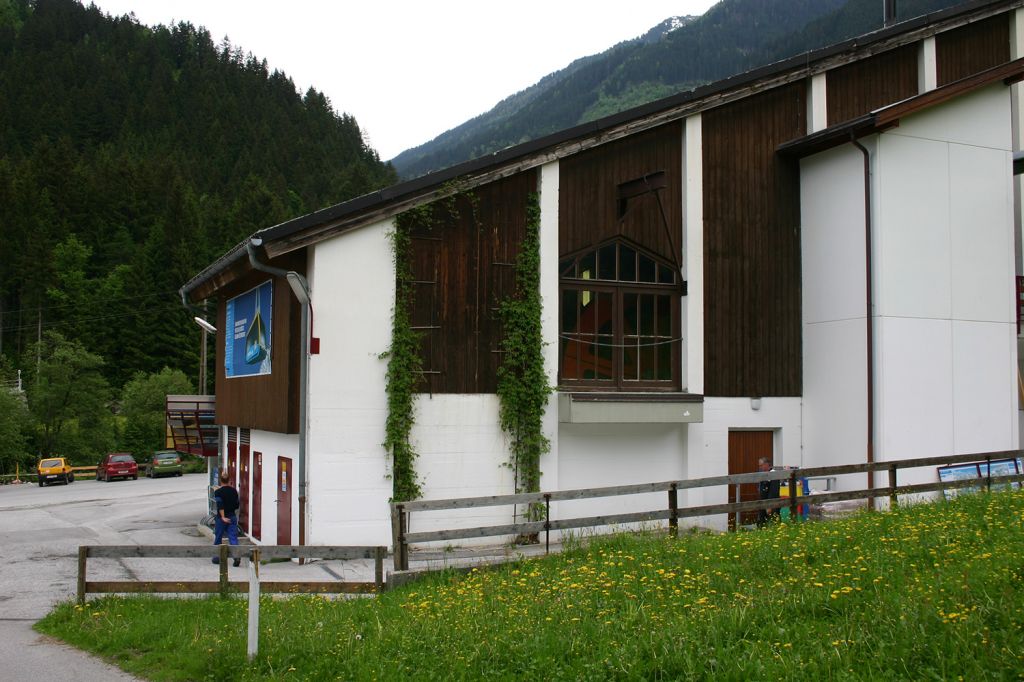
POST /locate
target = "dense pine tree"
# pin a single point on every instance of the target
(131, 157)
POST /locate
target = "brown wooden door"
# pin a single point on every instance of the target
(745, 448)
(257, 495)
(243, 488)
(284, 501)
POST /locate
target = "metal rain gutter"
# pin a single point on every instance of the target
(869, 320)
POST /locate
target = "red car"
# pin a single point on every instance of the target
(117, 465)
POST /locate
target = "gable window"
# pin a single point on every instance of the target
(619, 319)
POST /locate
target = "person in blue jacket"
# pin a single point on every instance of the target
(226, 520)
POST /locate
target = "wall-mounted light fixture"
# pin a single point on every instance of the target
(755, 404)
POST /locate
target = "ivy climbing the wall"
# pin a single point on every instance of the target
(522, 382)
(404, 367)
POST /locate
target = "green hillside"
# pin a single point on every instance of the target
(732, 37)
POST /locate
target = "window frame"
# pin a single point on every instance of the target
(618, 290)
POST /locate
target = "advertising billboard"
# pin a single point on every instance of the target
(249, 318)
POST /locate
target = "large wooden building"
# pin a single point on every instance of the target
(813, 262)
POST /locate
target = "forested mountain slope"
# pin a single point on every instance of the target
(130, 158)
(731, 37)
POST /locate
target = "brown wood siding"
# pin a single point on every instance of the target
(973, 48)
(866, 85)
(269, 402)
(462, 263)
(588, 184)
(752, 325)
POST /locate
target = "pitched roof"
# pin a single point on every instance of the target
(889, 116)
(325, 223)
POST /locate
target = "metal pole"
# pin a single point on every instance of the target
(254, 606)
(202, 366)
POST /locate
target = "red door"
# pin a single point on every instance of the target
(284, 501)
(745, 448)
(232, 462)
(243, 488)
(257, 493)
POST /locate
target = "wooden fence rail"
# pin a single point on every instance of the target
(401, 511)
(255, 553)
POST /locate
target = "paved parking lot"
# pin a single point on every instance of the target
(42, 528)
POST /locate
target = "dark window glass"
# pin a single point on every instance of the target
(646, 314)
(569, 310)
(567, 267)
(666, 275)
(648, 353)
(664, 361)
(586, 270)
(606, 263)
(587, 313)
(663, 325)
(627, 264)
(629, 314)
(647, 270)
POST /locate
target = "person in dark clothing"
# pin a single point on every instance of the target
(226, 520)
(767, 490)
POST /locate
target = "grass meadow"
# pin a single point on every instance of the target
(925, 592)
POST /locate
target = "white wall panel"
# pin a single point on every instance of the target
(912, 233)
(832, 235)
(353, 290)
(984, 385)
(914, 388)
(599, 455)
(981, 209)
(273, 445)
(978, 119)
(835, 393)
(549, 290)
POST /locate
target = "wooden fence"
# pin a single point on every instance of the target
(255, 554)
(31, 475)
(672, 512)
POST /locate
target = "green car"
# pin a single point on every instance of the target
(164, 463)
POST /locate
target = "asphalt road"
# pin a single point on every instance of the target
(40, 531)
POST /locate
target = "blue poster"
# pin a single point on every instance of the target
(248, 321)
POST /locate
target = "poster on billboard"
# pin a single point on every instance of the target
(248, 320)
(980, 471)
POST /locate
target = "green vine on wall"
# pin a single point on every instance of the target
(404, 367)
(522, 382)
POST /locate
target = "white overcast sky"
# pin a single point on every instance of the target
(407, 70)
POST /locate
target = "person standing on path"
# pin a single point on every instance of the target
(227, 515)
(767, 490)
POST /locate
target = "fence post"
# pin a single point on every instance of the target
(83, 554)
(892, 487)
(401, 548)
(988, 478)
(253, 640)
(792, 495)
(223, 570)
(547, 523)
(378, 568)
(673, 508)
